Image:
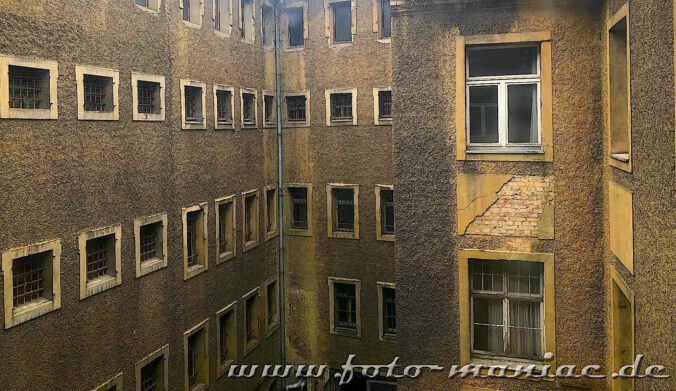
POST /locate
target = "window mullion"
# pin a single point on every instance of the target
(502, 113)
(505, 325)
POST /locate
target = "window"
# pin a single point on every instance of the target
(382, 20)
(29, 92)
(193, 109)
(252, 332)
(100, 260)
(196, 362)
(227, 337)
(505, 298)
(382, 110)
(271, 307)
(343, 211)
(152, 372)
(223, 104)
(622, 332)
(299, 207)
(340, 107)
(267, 25)
(114, 384)
(377, 385)
(225, 230)
(384, 212)
(271, 226)
(148, 96)
(149, 5)
(97, 93)
(619, 90)
(32, 281)
(297, 109)
(269, 110)
(222, 15)
(150, 234)
(192, 11)
(504, 97)
(344, 303)
(387, 311)
(251, 219)
(249, 112)
(195, 242)
(341, 22)
(296, 27)
(246, 20)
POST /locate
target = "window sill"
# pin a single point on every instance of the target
(223, 369)
(30, 311)
(146, 9)
(97, 116)
(226, 256)
(251, 346)
(343, 235)
(148, 117)
(389, 338)
(271, 328)
(348, 122)
(194, 126)
(535, 153)
(511, 364)
(224, 126)
(505, 150)
(343, 332)
(271, 234)
(192, 271)
(385, 40)
(191, 24)
(251, 244)
(622, 157)
(198, 387)
(384, 122)
(299, 232)
(298, 124)
(291, 49)
(99, 285)
(150, 266)
(46, 114)
(222, 34)
(251, 125)
(269, 125)
(386, 238)
(340, 45)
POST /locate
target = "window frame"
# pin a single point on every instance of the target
(330, 212)
(192, 271)
(153, 6)
(115, 381)
(251, 244)
(273, 119)
(231, 90)
(250, 346)
(264, 32)
(136, 116)
(271, 327)
(13, 317)
(223, 31)
(327, 96)
(201, 125)
(275, 231)
(286, 33)
(200, 327)
(12, 113)
(377, 120)
(616, 281)
(87, 288)
(379, 231)
(251, 37)
(157, 263)
(332, 307)
(230, 309)
(384, 336)
(548, 306)
(543, 151)
(329, 22)
(82, 115)
(378, 21)
(163, 353)
(288, 204)
(285, 112)
(191, 23)
(242, 92)
(228, 255)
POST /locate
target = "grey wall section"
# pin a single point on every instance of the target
(61, 177)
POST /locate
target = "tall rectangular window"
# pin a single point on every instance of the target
(272, 305)
(345, 306)
(389, 312)
(343, 210)
(98, 94)
(386, 19)
(252, 332)
(227, 337)
(196, 350)
(269, 109)
(385, 105)
(271, 226)
(186, 9)
(150, 240)
(249, 109)
(246, 21)
(100, 257)
(251, 219)
(195, 245)
(299, 207)
(193, 103)
(152, 371)
(503, 93)
(622, 313)
(267, 25)
(225, 233)
(619, 96)
(387, 211)
(222, 16)
(224, 107)
(342, 22)
(296, 26)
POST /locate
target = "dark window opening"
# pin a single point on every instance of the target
(387, 211)
(341, 107)
(191, 232)
(342, 22)
(251, 319)
(385, 104)
(193, 104)
(298, 207)
(249, 109)
(28, 88)
(386, 19)
(148, 97)
(272, 302)
(224, 232)
(271, 210)
(225, 337)
(28, 278)
(151, 375)
(193, 374)
(344, 210)
(269, 101)
(249, 215)
(346, 306)
(100, 256)
(98, 93)
(223, 107)
(295, 108)
(186, 10)
(268, 25)
(150, 241)
(389, 311)
(296, 27)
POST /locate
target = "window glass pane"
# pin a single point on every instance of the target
(525, 329)
(524, 277)
(342, 22)
(296, 27)
(523, 113)
(488, 324)
(386, 19)
(500, 60)
(483, 114)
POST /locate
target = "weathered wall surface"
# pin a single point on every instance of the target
(61, 177)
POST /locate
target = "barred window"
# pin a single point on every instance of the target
(345, 306)
(343, 210)
(295, 108)
(148, 97)
(100, 256)
(298, 207)
(192, 232)
(98, 93)
(248, 109)
(224, 107)
(151, 245)
(385, 104)
(193, 104)
(341, 107)
(151, 375)
(387, 211)
(28, 88)
(28, 278)
(389, 311)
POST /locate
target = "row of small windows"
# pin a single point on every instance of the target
(30, 93)
(340, 19)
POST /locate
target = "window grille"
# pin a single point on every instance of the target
(298, 207)
(295, 108)
(224, 107)
(385, 104)
(346, 306)
(147, 96)
(148, 241)
(97, 257)
(193, 253)
(28, 88)
(344, 210)
(389, 311)
(149, 375)
(193, 107)
(341, 107)
(249, 107)
(28, 278)
(96, 89)
(387, 211)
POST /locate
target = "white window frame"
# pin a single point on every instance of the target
(80, 72)
(136, 116)
(90, 288)
(143, 268)
(503, 82)
(51, 66)
(232, 200)
(220, 87)
(202, 125)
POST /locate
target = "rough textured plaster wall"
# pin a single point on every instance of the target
(425, 166)
(60, 177)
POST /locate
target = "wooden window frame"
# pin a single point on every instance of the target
(332, 321)
(330, 213)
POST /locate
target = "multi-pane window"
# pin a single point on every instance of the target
(299, 207)
(295, 109)
(248, 109)
(152, 376)
(252, 331)
(224, 107)
(385, 19)
(386, 211)
(28, 278)
(342, 22)
(389, 312)
(269, 105)
(271, 304)
(507, 308)
(341, 107)
(193, 104)
(343, 210)
(503, 95)
(98, 94)
(148, 97)
(28, 88)
(296, 26)
(385, 105)
(345, 306)
(100, 254)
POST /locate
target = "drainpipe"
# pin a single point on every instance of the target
(280, 191)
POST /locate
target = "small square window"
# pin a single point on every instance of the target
(150, 234)
(152, 372)
(148, 96)
(100, 260)
(271, 307)
(193, 109)
(97, 91)
(196, 362)
(32, 279)
(269, 110)
(267, 25)
(114, 384)
(341, 107)
(252, 326)
(384, 213)
(30, 88)
(223, 107)
(343, 211)
(271, 226)
(382, 110)
(387, 311)
(251, 219)
(195, 242)
(296, 27)
(222, 15)
(225, 230)
(341, 22)
(296, 109)
(249, 112)
(299, 207)
(246, 21)
(149, 5)
(226, 320)
(344, 300)
(192, 11)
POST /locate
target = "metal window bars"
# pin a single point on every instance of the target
(385, 104)
(96, 93)
(295, 107)
(148, 242)
(341, 107)
(27, 279)
(97, 257)
(149, 375)
(25, 87)
(192, 110)
(147, 92)
(223, 107)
